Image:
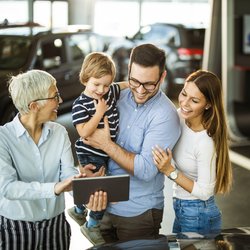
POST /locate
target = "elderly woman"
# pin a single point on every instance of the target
(36, 168)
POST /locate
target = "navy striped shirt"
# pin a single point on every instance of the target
(83, 110)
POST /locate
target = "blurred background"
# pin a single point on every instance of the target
(210, 34)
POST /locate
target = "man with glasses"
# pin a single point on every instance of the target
(147, 118)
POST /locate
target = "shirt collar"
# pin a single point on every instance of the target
(21, 130)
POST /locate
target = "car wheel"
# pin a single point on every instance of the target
(9, 113)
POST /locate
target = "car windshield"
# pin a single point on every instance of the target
(195, 37)
(13, 51)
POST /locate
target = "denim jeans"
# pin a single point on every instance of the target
(96, 160)
(198, 216)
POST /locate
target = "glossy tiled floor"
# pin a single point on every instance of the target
(78, 241)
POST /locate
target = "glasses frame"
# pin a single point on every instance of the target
(56, 97)
(143, 84)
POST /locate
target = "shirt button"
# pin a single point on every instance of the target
(128, 126)
(44, 210)
(135, 110)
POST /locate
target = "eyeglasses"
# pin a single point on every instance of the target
(147, 86)
(56, 97)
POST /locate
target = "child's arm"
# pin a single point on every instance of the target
(87, 128)
(123, 85)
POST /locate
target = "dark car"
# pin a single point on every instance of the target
(57, 51)
(183, 46)
(228, 239)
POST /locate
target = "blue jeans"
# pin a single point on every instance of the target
(198, 216)
(98, 162)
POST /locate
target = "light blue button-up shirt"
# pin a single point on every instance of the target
(29, 172)
(141, 127)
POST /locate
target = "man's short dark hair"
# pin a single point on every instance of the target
(148, 55)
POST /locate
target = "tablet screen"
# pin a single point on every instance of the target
(116, 186)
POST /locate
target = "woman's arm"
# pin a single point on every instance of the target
(162, 160)
(203, 187)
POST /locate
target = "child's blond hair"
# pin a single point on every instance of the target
(97, 65)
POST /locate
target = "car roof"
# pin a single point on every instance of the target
(180, 25)
(27, 30)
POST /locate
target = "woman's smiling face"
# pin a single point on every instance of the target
(192, 102)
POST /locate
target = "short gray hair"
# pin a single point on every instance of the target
(29, 86)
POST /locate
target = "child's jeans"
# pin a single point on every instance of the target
(98, 162)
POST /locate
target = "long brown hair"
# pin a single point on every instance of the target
(215, 123)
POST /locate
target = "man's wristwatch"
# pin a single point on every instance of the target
(173, 175)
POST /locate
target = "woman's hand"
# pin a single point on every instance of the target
(66, 185)
(162, 160)
(98, 201)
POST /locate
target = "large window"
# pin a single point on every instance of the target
(18, 12)
(14, 11)
(124, 17)
(43, 9)
(175, 12)
(116, 18)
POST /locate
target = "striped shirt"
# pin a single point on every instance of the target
(83, 110)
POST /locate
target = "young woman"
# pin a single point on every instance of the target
(201, 166)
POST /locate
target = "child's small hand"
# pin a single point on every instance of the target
(101, 106)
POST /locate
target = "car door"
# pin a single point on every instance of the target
(78, 48)
(55, 60)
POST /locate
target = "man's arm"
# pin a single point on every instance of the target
(101, 139)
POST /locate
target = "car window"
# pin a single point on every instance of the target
(13, 52)
(167, 35)
(79, 46)
(159, 34)
(194, 37)
(52, 53)
(140, 35)
(96, 42)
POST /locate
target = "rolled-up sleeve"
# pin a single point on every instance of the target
(163, 131)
